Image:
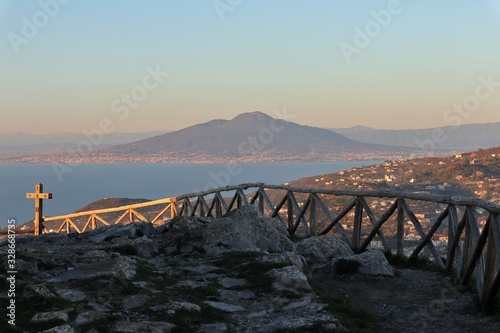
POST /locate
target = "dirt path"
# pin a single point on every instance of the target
(414, 301)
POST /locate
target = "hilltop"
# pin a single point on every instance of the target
(239, 273)
(473, 174)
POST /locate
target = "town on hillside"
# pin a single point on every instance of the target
(474, 174)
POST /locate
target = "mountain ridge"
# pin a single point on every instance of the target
(252, 134)
(465, 137)
(248, 137)
(25, 144)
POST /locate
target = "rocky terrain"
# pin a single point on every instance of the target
(239, 273)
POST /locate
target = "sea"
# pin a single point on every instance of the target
(75, 186)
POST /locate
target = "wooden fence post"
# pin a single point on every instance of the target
(400, 229)
(358, 220)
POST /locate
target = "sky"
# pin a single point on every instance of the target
(133, 66)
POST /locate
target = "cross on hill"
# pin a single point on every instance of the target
(38, 195)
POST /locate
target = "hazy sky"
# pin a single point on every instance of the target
(67, 65)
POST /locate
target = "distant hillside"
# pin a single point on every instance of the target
(109, 203)
(462, 138)
(473, 174)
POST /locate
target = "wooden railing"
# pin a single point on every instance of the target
(471, 247)
(130, 212)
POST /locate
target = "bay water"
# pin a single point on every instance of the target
(86, 183)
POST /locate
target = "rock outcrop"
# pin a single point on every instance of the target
(322, 249)
(245, 229)
(239, 273)
(372, 262)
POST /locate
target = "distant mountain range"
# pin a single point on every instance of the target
(248, 137)
(461, 138)
(251, 137)
(24, 144)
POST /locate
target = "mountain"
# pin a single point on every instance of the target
(462, 138)
(252, 136)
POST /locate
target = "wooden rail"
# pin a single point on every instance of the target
(128, 211)
(471, 249)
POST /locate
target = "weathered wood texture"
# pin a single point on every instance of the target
(130, 211)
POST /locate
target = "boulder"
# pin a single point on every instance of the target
(53, 239)
(373, 262)
(186, 306)
(291, 279)
(60, 329)
(185, 228)
(119, 267)
(89, 317)
(245, 229)
(39, 290)
(43, 317)
(322, 249)
(72, 295)
(92, 254)
(143, 246)
(132, 230)
(228, 282)
(135, 301)
(213, 328)
(280, 226)
(286, 259)
(235, 295)
(302, 324)
(143, 327)
(29, 267)
(370, 262)
(225, 306)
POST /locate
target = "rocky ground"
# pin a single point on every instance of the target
(413, 301)
(241, 273)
